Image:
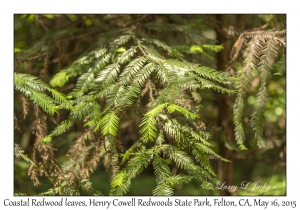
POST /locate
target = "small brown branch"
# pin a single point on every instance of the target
(37, 17)
(82, 36)
(141, 48)
(16, 123)
(34, 57)
(151, 91)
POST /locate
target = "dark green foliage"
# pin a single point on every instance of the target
(34, 89)
(238, 120)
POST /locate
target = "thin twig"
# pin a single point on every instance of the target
(141, 48)
(41, 22)
(34, 57)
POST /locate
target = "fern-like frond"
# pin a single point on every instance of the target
(258, 119)
(86, 185)
(148, 124)
(79, 67)
(134, 167)
(163, 190)
(109, 90)
(97, 59)
(34, 88)
(131, 70)
(98, 53)
(119, 180)
(59, 79)
(152, 54)
(160, 44)
(44, 101)
(143, 74)
(99, 73)
(160, 139)
(136, 147)
(61, 98)
(167, 95)
(215, 48)
(61, 128)
(83, 83)
(20, 153)
(251, 56)
(178, 68)
(94, 115)
(120, 41)
(108, 75)
(111, 156)
(163, 75)
(81, 110)
(127, 55)
(185, 135)
(181, 159)
(200, 49)
(109, 124)
(178, 179)
(158, 109)
(209, 150)
(173, 130)
(186, 82)
(148, 128)
(26, 80)
(95, 112)
(200, 174)
(260, 55)
(280, 66)
(208, 73)
(202, 158)
(203, 136)
(238, 109)
(206, 84)
(123, 96)
(267, 59)
(188, 115)
(114, 163)
(199, 135)
(161, 169)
